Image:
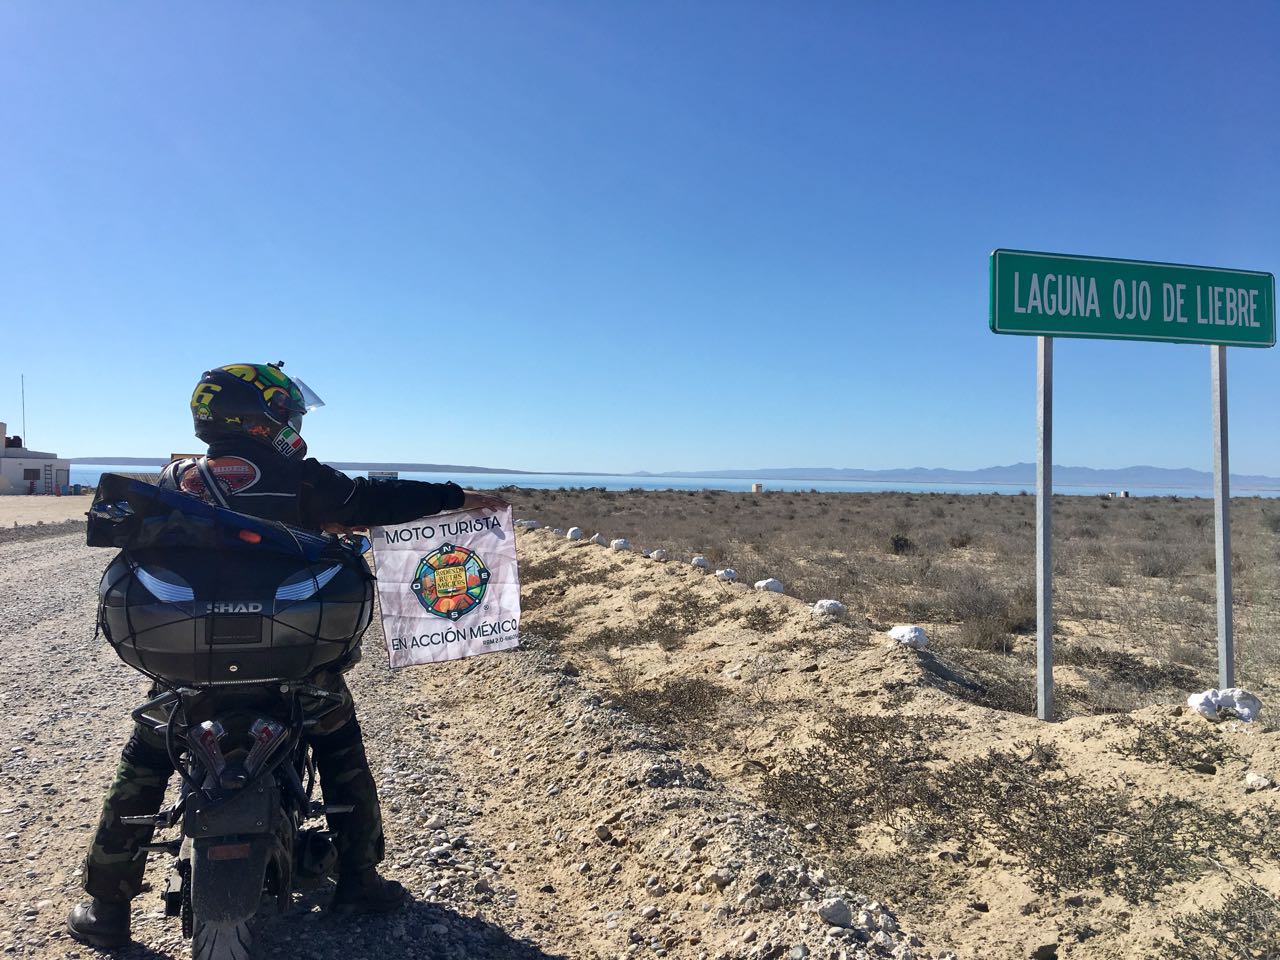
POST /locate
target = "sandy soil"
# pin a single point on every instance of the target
(21, 511)
(528, 816)
(532, 816)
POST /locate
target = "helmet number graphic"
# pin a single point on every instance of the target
(204, 394)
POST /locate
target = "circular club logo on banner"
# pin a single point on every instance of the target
(451, 581)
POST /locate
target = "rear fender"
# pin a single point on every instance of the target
(227, 875)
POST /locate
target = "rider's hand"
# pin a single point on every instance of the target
(345, 531)
(482, 501)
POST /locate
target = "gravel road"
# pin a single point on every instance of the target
(527, 817)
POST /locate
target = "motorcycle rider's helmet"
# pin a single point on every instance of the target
(254, 400)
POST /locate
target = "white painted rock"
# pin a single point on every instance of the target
(909, 635)
(701, 563)
(575, 533)
(660, 555)
(558, 531)
(829, 608)
(622, 543)
(728, 573)
(1231, 703)
(771, 584)
(1256, 781)
(599, 539)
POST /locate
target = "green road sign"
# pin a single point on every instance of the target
(1058, 295)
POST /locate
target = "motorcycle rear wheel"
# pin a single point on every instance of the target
(222, 941)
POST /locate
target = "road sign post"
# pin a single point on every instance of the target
(1222, 519)
(1044, 529)
(1048, 295)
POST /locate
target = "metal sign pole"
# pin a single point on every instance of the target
(1044, 529)
(1222, 517)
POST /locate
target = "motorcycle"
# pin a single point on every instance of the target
(229, 616)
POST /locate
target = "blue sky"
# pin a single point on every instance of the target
(622, 236)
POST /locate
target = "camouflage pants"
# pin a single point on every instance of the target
(115, 863)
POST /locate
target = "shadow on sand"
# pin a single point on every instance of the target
(418, 930)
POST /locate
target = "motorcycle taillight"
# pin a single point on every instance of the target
(268, 736)
(204, 745)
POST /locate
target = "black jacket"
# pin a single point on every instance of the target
(254, 479)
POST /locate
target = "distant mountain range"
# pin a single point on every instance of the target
(1012, 474)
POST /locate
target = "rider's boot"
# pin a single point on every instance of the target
(364, 891)
(100, 923)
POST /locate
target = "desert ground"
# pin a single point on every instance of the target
(673, 765)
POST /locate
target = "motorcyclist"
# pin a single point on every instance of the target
(250, 415)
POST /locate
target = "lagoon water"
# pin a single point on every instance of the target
(88, 473)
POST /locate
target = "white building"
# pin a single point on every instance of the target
(27, 471)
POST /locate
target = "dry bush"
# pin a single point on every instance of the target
(680, 707)
(1066, 832)
(1142, 570)
(669, 626)
(1201, 750)
(1245, 927)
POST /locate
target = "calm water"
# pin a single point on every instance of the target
(88, 473)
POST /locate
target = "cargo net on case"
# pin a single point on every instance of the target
(202, 596)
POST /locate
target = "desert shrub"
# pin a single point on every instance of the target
(986, 613)
(1160, 560)
(1200, 749)
(1129, 669)
(863, 768)
(679, 705)
(669, 626)
(1271, 521)
(762, 619)
(1245, 927)
(993, 680)
(1064, 831)
(900, 544)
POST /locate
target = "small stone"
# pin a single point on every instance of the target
(836, 912)
(436, 822)
(604, 833)
(798, 952)
(649, 913)
(721, 878)
(1256, 781)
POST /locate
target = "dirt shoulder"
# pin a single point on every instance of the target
(680, 767)
(528, 815)
(20, 511)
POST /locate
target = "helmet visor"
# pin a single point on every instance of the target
(309, 398)
(291, 407)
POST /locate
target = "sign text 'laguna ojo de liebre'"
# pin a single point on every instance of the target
(1058, 295)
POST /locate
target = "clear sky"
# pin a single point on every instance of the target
(622, 236)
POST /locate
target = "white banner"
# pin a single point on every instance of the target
(448, 586)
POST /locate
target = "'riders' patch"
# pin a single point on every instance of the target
(233, 475)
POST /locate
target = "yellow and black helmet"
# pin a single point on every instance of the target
(254, 400)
